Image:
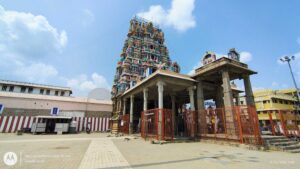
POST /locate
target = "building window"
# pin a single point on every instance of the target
(48, 92)
(62, 93)
(56, 93)
(11, 88)
(4, 88)
(280, 101)
(30, 90)
(274, 100)
(41, 91)
(23, 89)
(264, 102)
(242, 102)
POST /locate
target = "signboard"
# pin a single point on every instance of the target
(55, 111)
(1, 108)
(71, 114)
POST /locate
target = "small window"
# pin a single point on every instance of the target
(264, 102)
(62, 93)
(23, 89)
(242, 102)
(274, 100)
(30, 90)
(11, 88)
(280, 101)
(48, 92)
(4, 88)
(56, 93)
(41, 91)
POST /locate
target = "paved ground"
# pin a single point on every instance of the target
(98, 151)
(141, 154)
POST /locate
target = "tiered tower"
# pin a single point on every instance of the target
(143, 53)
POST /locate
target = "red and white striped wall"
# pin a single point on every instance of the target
(96, 124)
(10, 124)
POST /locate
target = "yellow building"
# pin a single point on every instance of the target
(277, 106)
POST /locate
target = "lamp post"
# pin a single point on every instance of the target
(288, 59)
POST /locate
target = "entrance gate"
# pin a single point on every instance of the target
(124, 123)
(244, 128)
(149, 124)
(189, 123)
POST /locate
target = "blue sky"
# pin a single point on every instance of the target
(78, 43)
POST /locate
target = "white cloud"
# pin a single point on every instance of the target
(245, 57)
(192, 72)
(88, 17)
(29, 35)
(25, 39)
(39, 72)
(180, 15)
(16, 67)
(84, 84)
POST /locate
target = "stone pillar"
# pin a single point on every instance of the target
(237, 99)
(219, 97)
(160, 86)
(200, 96)
(200, 105)
(192, 104)
(145, 99)
(228, 103)
(173, 97)
(131, 114)
(124, 106)
(228, 97)
(248, 91)
(191, 94)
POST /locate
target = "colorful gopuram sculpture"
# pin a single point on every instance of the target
(143, 53)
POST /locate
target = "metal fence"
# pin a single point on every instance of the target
(283, 122)
(149, 124)
(239, 123)
(124, 123)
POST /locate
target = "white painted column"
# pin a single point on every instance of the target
(191, 94)
(131, 114)
(160, 86)
(145, 99)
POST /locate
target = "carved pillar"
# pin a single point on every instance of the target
(248, 91)
(131, 114)
(145, 99)
(228, 103)
(124, 106)
(160, 87)
(191, 94)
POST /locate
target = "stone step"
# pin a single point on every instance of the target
(294, 151)
(273, 137)
(277, 140)
(287, 143)
(291, 147)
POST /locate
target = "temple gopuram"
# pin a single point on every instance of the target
(143, 53)
(151, 97)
